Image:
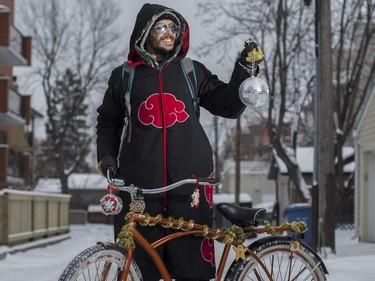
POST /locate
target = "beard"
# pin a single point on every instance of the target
(163, 45)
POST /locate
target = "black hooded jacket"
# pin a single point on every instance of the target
(167, 140)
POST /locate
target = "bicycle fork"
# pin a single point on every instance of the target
(150, 249)
(128, 262)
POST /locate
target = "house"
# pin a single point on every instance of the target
(16, 114)
(253, 180)
(364, 136)
(305, 160)
(86, 190)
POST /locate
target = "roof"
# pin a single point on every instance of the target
(75, 181)
(4, 9)
(305, 160)
(229, 198)
(247, 167)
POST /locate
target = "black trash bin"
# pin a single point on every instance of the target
(300, 212)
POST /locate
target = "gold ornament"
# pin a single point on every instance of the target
(137, 206)
(295, 246)
(255, 54)
(240, 251)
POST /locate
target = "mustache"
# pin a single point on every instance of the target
(168, 37)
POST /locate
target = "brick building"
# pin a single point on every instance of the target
(16, 114)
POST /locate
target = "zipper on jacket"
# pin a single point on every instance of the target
(164, 132)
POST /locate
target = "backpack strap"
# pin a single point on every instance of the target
(127, 76)
(188, 70)
(127, 73)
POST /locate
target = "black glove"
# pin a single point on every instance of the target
(107, 163)
(252, 52)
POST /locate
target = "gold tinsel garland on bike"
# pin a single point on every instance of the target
(125, 237)
(225, 235)
(296, 226)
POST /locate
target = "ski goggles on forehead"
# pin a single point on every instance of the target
(163, 27)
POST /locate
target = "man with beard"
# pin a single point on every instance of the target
(165, 141)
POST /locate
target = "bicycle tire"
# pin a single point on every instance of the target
(276, 254)
(89, 264)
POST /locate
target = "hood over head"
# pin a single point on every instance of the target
(146, 18)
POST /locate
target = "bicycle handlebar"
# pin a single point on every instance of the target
(119, 184)
(111, 204)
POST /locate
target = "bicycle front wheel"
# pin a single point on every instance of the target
(104, 261)
(282, 262)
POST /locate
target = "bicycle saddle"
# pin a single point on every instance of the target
(241, 216)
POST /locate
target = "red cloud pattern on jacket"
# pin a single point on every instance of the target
(208, 251)
(149, 112)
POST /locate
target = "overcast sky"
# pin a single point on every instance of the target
(126, 20)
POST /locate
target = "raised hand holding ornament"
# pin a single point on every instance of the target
(253, 91)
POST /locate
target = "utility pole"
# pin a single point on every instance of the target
(317, 98)
(324, 134)
(238, 162)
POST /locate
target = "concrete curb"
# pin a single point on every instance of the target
(44, 242)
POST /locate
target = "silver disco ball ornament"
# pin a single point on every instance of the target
(254, 91)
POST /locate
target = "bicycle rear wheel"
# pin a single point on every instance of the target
(282, 263)
(104, 261)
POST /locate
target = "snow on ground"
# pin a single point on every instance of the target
(47, 263)
(353, 261)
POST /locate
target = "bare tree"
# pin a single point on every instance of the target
(285, 29)
(76, 36)
(353, 77)
(353, 28)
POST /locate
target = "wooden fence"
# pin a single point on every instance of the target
(26, 215)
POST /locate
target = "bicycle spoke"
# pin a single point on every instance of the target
(291, 267)
(272, 262)
(257, 275)
(279, 266)
(84, 276)
(300, 272)
(97, 266)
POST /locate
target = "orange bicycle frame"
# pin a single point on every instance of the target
(196, 229)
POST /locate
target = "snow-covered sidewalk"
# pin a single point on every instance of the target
(353, 261)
